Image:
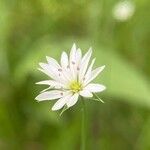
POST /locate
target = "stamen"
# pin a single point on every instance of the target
(60, 69)
(73, 63)
(68, 67)
(61, 94)
(78, 68)
(75, 86)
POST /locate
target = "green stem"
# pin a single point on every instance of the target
(83, 129)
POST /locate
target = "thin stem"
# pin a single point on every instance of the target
(83, 129)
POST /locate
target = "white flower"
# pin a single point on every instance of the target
(70, 79)
(123, 10)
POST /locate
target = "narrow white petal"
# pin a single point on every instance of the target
(64, 60)
(84, 64)
(55, 69)
(52, 83)
(53, 72)
(50, 95)
(72, 101)
(95, 87)
(45, 82)
(45, 71)
(48, 70)
(46, 89)
(86, 93)
(67, 75)
(50, 73)
(78, 56)
(61, 102)
(94, 74)
(89, 71)
(65, 66)
(73, 53)
(72, 62)
(52, 61)
(43, 65)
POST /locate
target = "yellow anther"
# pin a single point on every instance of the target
(75, 86)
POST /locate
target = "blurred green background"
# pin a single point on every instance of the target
(32, 29)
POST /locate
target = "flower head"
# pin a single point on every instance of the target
(69, 79)
(123, 10)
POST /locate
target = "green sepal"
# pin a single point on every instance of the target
(97, 98)
(63, 110)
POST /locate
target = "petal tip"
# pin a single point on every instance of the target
(74, 46)
(103, 66)
(53, 109)
(90, 48)
(104, 88)
(38, 82)
(40, 63)
(47, 57)
(37, 99)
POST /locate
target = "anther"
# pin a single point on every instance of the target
(68, 67)
(60, 69)
(73, 62)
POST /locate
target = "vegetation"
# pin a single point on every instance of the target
(30, 30)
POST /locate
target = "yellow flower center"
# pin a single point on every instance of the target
(75, 86)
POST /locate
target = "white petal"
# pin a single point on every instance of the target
(73, 64)
(73, 53)
(48, 70)
(89, 71)
(52, 61)
(65, 64)
(73, 100)
(55, 69)
(52, 83)
(53, 72)
(45, 71)
(46, 89)
(45, 82)
(50, 95)
(95, 87)
(78, 56)
(43, 65)
(84, 64)
(86, 93)
(64, 60)
(94, 74)
(61, 102)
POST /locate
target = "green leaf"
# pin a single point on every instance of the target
(122, 79)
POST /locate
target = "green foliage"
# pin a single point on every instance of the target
(30, 30)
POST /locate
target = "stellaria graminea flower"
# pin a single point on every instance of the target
(69, 79)
(123, 10)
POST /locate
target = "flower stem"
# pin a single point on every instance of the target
(83, 128)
